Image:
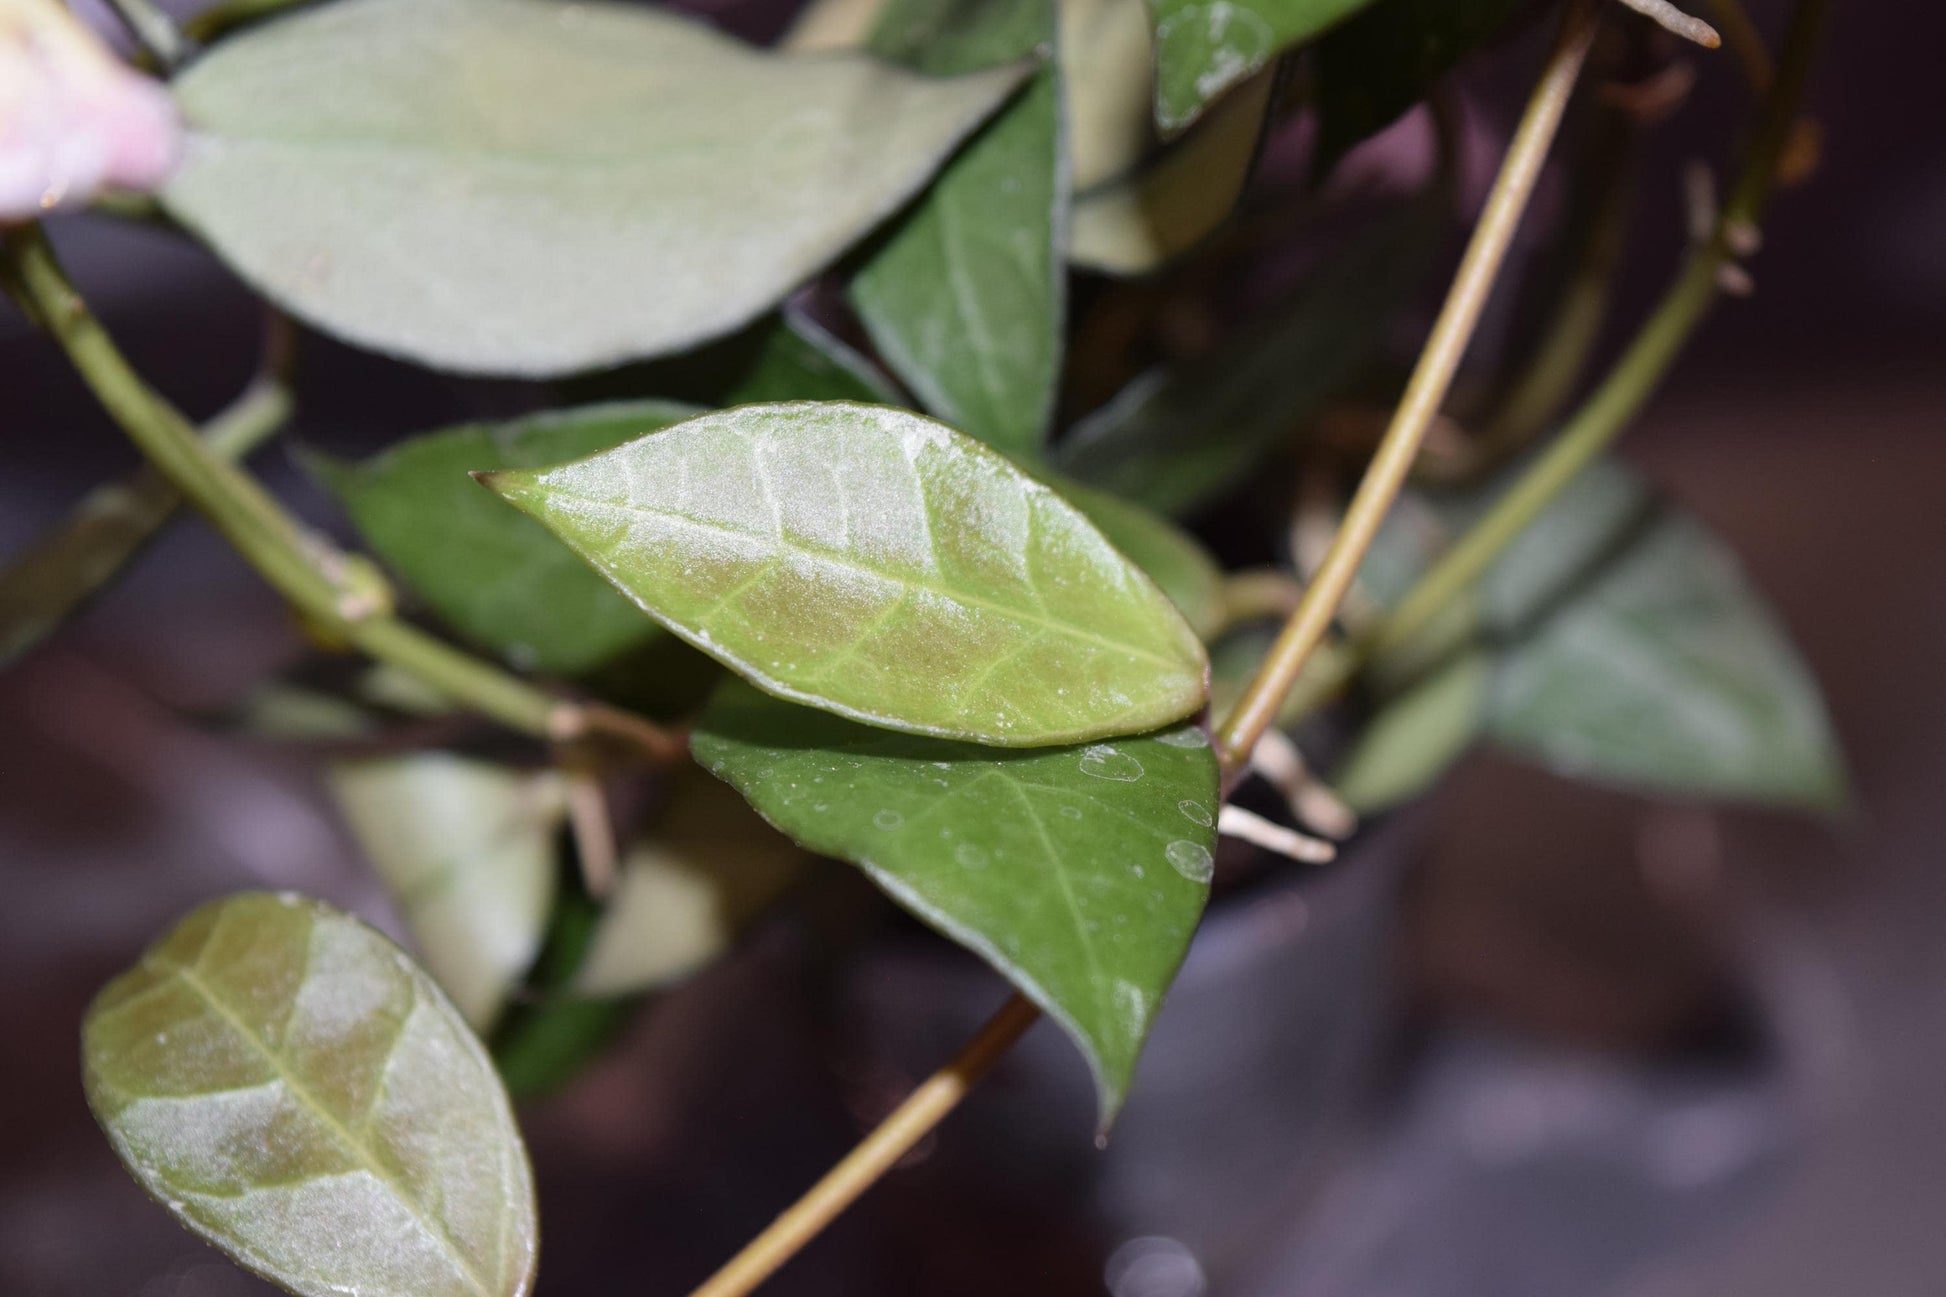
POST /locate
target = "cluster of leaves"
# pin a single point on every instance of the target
(910, 628)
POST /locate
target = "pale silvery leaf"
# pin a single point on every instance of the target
(296, 1091)
(524, 187)
(469, 851)
(882, 566)
(73, 120)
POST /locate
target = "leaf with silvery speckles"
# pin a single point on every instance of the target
(1078, 872)
(879, 565)
(300, 1094)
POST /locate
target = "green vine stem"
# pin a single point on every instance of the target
(1612, 406)
(64, 567)
(1431, 379)
(340, 594)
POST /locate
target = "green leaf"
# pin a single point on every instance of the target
(1203, 47)
(1637, 653)
(1176, 561)
(1141, 221)
(1079, 873)
(786, 356)
(967, 299)
(687, 889)
(469, 851)
(297, 1092)
(1385, 60)
(1175, 439)
(514, 187)
(499, 578)
(877, 564)
(1416, 736)
(797, 359)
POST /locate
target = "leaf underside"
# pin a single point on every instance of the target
(1078, 872)
(877, 564)
(525, 188)
(297, 1092)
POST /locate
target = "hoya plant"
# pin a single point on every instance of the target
(964, 441)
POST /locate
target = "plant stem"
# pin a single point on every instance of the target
(1611, 407)
(1430, 381)
(879, 1152)
(336, 591)
(1598, 231)
(938, 1095)
(46, 585)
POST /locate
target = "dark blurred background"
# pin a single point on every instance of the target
(1530, 1038)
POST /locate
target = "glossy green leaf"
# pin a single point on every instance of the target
(1637, 653)
(1142, 221)
(687, 888)
(517, 187)
(1385, 60)
(1203, 47)
(967, 300)
(1174, 439)
(470, 853)
(1415, 737)
(297, 1092)
(1078, 872)
(497, 577)
(877, 564)
(1175, 560)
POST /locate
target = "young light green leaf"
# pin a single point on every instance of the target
(1175, 560)
(1416, 736)
(497, 577)
(1382, 62)
(1172, 440)
(1139, 222)
(1079, 872)
(513, 187)
(469, 851)
(879, 565)
(1203, 47)
(967, 299)
(1638, 653)
(297, 1092)
(687, 889)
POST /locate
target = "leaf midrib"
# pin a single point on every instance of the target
(837, 559)
(358, 1147)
